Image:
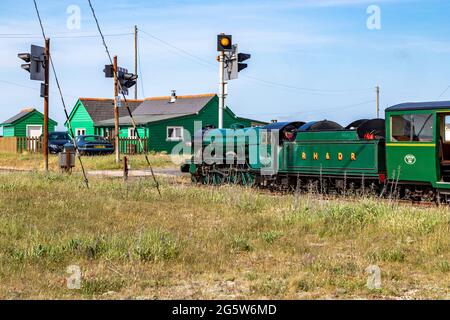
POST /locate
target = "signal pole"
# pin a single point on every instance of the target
(116, 112)
(135, 59)
(231, 60)
(222, 87)
(378, 101)
(46, 91)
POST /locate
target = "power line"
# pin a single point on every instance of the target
(33, 88)
(62, 98)
(313, 109)
(443, 92)
(64, 37)
(125, 100)
(185, 53)
(208, 63)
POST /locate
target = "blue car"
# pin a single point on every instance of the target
(92, 144)
(57, 140)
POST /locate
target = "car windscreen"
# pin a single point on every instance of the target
(94, 139)
(58, 136)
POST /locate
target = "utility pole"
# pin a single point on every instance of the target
(222, 87)
(378, 101)
(46, 91)
(135, 59)
(116, 112)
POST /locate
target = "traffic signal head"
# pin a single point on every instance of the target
(109, 71)
(35, 63)
(130, 76)
(127, 80)
(243, 56)
(37, 67)
(242, 66)
(224, 43)
(25, 57)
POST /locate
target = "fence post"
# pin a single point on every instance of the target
(125, 169)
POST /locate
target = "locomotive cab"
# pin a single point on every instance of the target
(418, 144)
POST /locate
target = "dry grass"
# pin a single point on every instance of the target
(35, 161)
(198, 242)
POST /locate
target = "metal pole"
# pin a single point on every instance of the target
(136, 60)
(116, 112)
(46, 91)
(222, 87)
(378, 102)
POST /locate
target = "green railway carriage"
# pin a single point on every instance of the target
(406, 155)
(418, 144)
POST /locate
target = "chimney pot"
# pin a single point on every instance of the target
(173, 96)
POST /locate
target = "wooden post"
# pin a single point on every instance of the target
(68, 167)
(46, 91)
(378, 102)
(125, 169)
(116, 112)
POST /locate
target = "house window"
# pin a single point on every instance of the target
(80, 132)
(174, 133)
(132, 133)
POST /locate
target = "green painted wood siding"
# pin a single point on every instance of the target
(8, 131)
(157, 132)
(19, 128)
(81, 119)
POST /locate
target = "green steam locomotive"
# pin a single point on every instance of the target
(407, 155)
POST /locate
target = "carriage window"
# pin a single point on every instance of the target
(423, 127)
(447, 129)
(418, 127)
(401, 128)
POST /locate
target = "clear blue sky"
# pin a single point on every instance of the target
(323, 45)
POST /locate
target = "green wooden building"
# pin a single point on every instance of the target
(27, 123)
(164, 121)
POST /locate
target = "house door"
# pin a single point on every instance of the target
(33, 131)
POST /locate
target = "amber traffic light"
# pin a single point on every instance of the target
(224, 42)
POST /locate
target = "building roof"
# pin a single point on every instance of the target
(160, 108)
(432, 105)
(23, 113)
(183, 105)
(140, 119)
(103, 109)
(149, 110)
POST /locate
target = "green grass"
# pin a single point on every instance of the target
(201, 242)
(32, 161)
